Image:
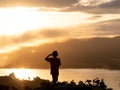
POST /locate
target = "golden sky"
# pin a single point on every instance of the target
(26, 23)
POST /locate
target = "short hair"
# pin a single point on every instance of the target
(55, 53)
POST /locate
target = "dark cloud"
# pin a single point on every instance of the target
(110, 27)
(104, 8)
(74, 53)
(106, 28)
(67, 5)
(113, 4)
(95, 17)
(38, 3)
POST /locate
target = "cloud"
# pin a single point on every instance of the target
(110, 27)
(103, 8)
(87, 6)
(112, 4)
(31, 37)
(91, 2)
(38, 3)
(95, 17)
(54, 33)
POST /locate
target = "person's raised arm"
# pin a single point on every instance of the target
(48, 57)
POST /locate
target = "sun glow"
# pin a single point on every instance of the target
(20, 19)
(23, 73)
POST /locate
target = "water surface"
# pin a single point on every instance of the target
(111, 77)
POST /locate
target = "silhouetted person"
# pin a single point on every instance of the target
(55, 63)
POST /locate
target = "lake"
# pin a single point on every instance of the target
(111, 77)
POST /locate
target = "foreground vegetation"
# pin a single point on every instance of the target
(10, 82)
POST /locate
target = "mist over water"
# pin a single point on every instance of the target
(111, 77)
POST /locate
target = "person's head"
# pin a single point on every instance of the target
(55, 53)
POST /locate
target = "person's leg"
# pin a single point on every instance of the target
(55, 78)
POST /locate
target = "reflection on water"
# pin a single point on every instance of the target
(26, 73)
(111, 77)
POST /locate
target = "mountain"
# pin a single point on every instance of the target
(74, 53)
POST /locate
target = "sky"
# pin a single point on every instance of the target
(25, 23)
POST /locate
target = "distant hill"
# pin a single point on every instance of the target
(74, 53)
